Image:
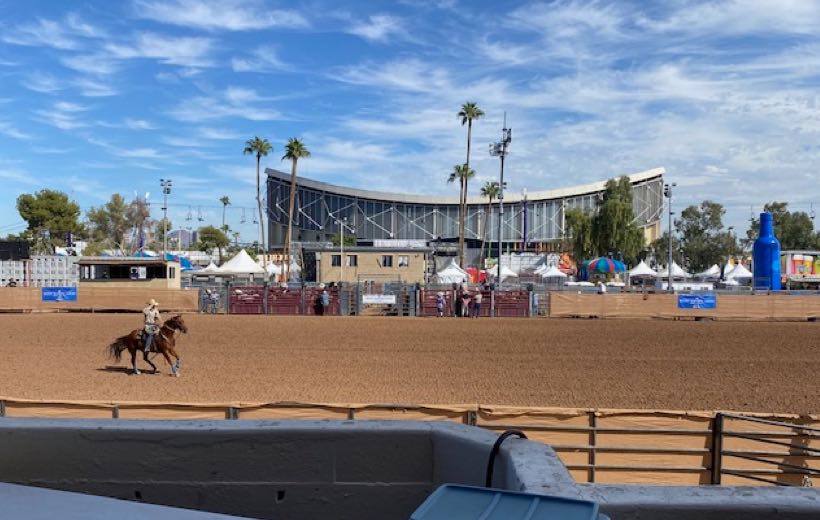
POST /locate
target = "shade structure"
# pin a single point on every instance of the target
(677, 272)
(506, 272)
(713, 273)
(642, 271)
(552, 272)
(739, 274)
(211, 269)
(272, 268)
(452, 273)
(240, 264)
(183, 262)
(605, 265)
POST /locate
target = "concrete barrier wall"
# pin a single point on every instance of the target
(28, 299)
(729, 307)
(654, 447)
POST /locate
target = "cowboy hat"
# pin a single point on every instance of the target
(152, 302)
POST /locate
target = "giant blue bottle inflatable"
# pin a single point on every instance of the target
(766, 256)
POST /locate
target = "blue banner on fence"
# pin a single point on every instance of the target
(59, 294)
(697, 301)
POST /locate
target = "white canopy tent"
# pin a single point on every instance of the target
(642, 271)
(273, 269)
(452, 273)
(241, 264)
(506, 272)
(211, 269)
(677, 272)
(713, 273)
(739, 274)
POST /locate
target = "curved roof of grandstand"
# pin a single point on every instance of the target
(409, 198)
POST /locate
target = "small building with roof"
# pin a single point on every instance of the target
(129, 271)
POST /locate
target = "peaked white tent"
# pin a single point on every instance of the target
(642, 271)
(506, 272)
(713, 273)
(550, 272)
(273, 269)
(739, 274)
(452, 273)
(242, 263)
(677, 272)
(211, 269)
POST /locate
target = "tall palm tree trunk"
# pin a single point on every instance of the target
(224, 207)
(259, 205)
(463, 212)
(290, 219)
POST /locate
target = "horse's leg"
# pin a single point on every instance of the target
(173, 352)
(145, 357)
(168, 359)
(135, 370)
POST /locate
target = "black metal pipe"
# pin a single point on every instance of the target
(488, 482)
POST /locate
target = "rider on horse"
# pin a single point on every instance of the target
(152, 323)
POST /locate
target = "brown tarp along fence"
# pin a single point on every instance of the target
(729, 306)
(655, 447)
(28, 299)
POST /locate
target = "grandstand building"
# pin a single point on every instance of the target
(535, 221)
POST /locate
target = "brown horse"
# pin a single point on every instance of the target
(164, 343)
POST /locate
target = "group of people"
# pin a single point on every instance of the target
(466, 304)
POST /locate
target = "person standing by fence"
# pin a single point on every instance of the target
(214, 301)
(477, 304)
(465, 304)
(324, 299)
(440, 304)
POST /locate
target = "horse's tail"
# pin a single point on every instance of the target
(116, 347)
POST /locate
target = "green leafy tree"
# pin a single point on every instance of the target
(138, 214)
(469, 112)
(294, 150)
(260, 148)
(491, 189)
(703, 241)
(578, 233)
(109, 224)
(211, 238)
(614, 230)
(336, 240)
(794, 230)
(660, 250)
(50, 216)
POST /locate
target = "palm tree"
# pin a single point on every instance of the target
(469, 111)
(225, 200)
(294, 150)
(259, 147)
(490, 190)
(461, 173)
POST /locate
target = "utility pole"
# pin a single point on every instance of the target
(667, 192)
(500, 150)
(166, 190)
(342, 245)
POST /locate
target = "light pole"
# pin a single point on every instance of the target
(500, 150)
(667, 192)
(732, 242)
(166, 190)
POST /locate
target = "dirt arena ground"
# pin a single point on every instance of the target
(763, 367)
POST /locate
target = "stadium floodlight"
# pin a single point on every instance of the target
(499, 150)
(166, 190)
(667, 192)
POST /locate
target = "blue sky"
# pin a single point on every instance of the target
(98, 97)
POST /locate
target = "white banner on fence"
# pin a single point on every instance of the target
(379, 299)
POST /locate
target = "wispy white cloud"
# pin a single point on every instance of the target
(234, 102)
(93, 88)
(139, 124)
(64, 35)
(143, 152)
(184, 51)
(9, 130)
(228, 15)
(63, 115)
(263, 59)
(217, 133)
(42, 82)
(379, 27)
(95, 64)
